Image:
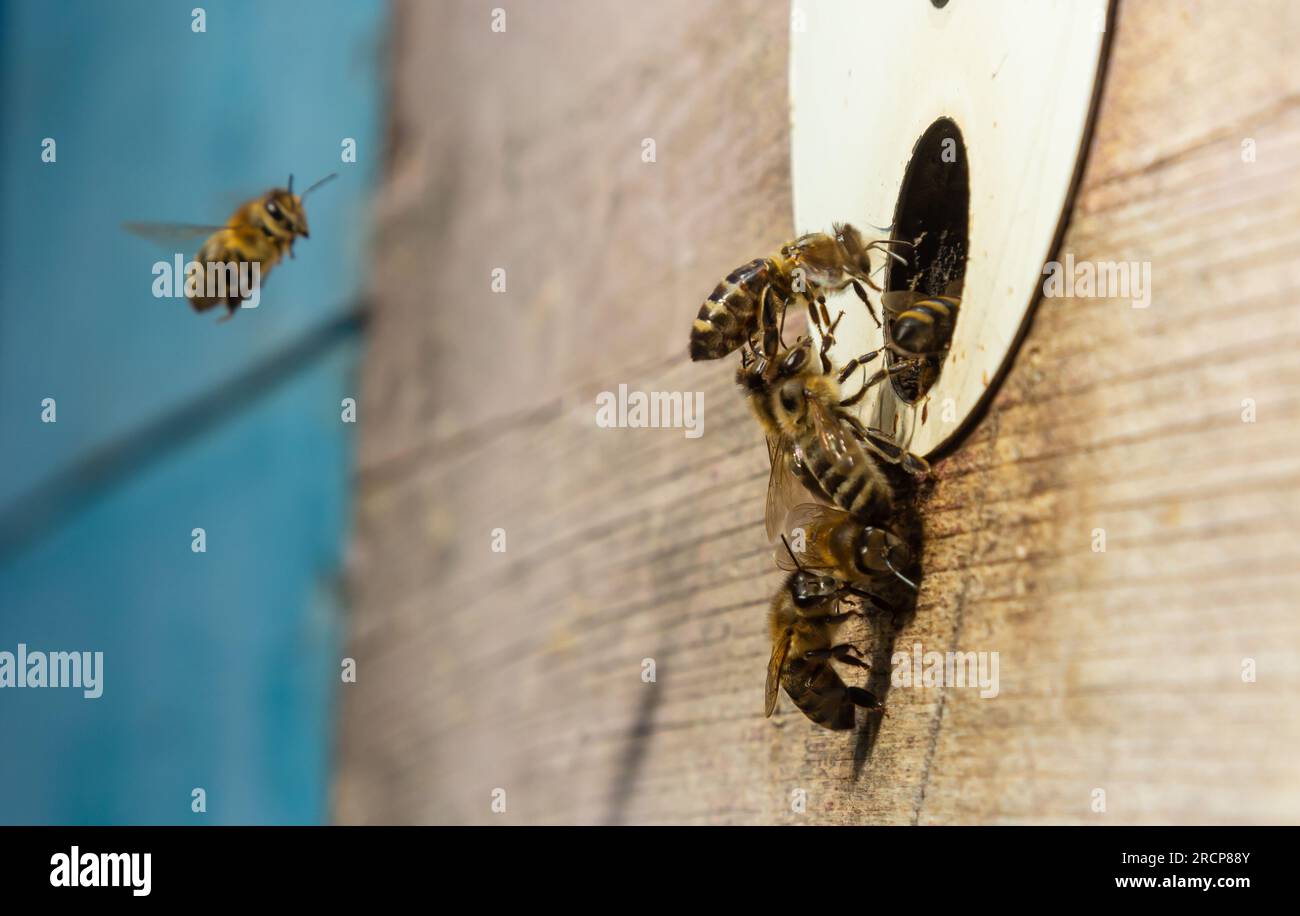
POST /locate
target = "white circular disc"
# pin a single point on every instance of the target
(1018, 77)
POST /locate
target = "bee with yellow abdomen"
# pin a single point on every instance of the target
(803, 271)
(801, 622)
(920, 325)
(261, 231)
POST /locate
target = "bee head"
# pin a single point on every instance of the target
(853, 248)
(792, 398)
(809, 588)
(283, 213)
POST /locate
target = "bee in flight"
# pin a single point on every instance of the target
(804, 270)
(261, 231)
(801, 622)
(812, 437)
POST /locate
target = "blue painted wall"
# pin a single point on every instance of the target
(220, 668)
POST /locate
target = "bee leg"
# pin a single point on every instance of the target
(882, 374)
(874, 600)
(885, 445)
(864, 698)
(767, 320)
(912, 463)
(828, 339)
(854, 363)
(845, 653)
(862, 294)
(773, 330)
(861, 392)
(780, 332)
(841, 653)
(838, 618)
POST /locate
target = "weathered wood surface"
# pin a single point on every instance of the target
(1119, 671)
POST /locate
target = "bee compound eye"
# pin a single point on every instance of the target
(273, 208)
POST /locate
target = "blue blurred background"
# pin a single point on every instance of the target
(221, 669)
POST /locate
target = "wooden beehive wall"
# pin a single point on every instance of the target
(1119, 671)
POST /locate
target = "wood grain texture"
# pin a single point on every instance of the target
(521, 670)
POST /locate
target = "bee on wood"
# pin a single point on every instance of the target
(801, 621)
(804, 270)
(261, 231)
(812, 437)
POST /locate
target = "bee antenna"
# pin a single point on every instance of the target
(902, 578)
(896, 256)
(291, 182)
(790, 551)
(326, 180)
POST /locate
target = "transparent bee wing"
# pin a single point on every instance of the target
(814, 519)
(898, 300)
(171, 233)
(782, 485)
(774, 666)
(832, 435)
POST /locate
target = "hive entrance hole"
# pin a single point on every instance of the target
(933, 212)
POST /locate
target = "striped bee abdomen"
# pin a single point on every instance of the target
(925, 325)
(819, 693)
(730, 314)
(853, 481)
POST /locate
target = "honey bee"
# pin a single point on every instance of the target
(801, 621)
(812, 437)
(918, 331)
(261, 231)
(804, 270)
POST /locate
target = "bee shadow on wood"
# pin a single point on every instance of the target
(884, 628)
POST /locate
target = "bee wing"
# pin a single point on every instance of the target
(832, 434)
(774, 666)
(171, 233)
(811, 517)
(897, 300)
(782, 485)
